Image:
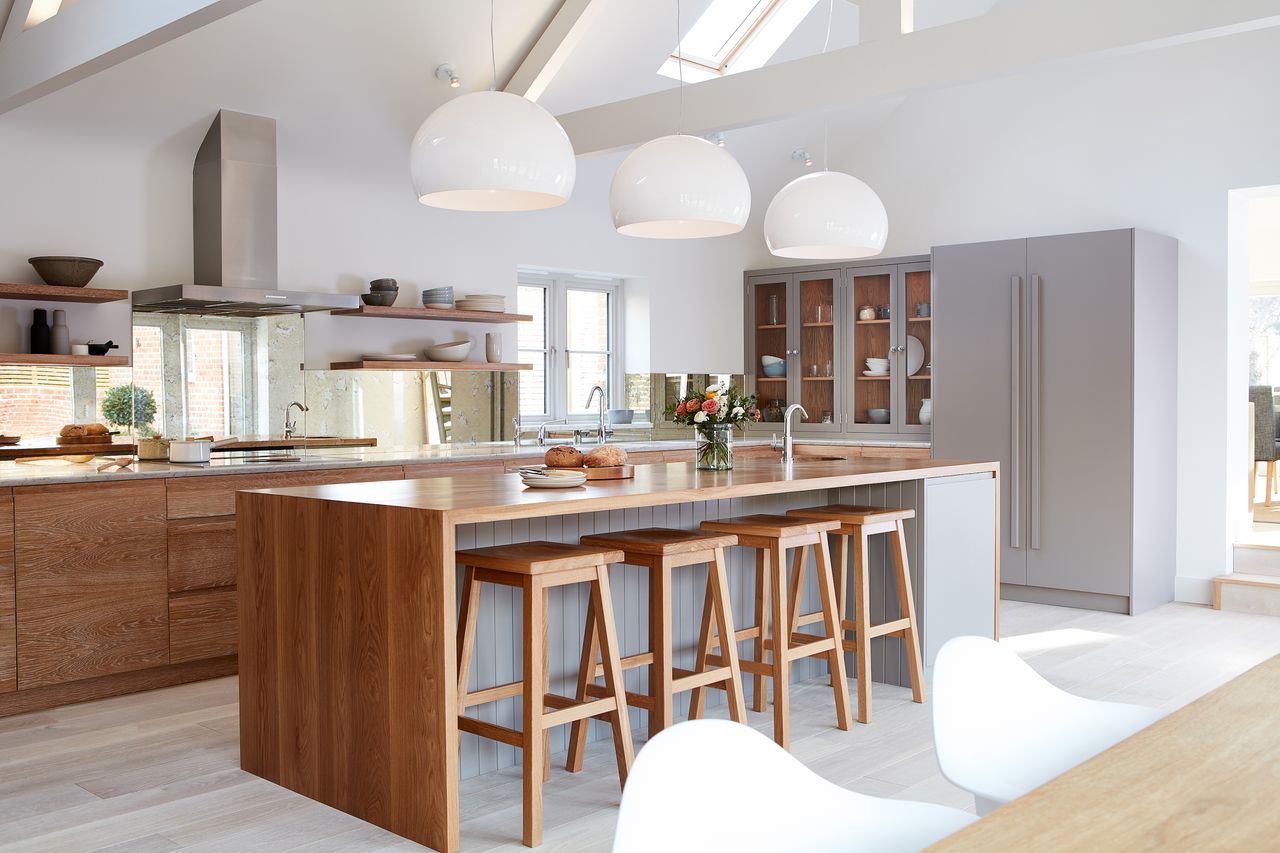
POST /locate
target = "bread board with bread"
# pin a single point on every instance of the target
(604, 462)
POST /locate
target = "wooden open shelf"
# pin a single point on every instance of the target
(65, 360)
(475, 366)
(412, 313)
(52, 293)
(925, 376)
(819, 325)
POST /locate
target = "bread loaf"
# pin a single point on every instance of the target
(96, 429)
(72, 431)
(605, 457)
(563, 457)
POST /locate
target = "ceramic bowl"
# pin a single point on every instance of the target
(778, 368)
(381, 297)
(878, 416)
(65, 271)
(383, 284)
(453, 351)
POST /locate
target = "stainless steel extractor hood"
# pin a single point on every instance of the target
(234, 225)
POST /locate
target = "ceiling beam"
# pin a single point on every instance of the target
(553, 48)
(88, 37)
(1006, 41)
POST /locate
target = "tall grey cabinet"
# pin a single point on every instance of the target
(1058, 357)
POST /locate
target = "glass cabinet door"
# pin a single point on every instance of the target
(816, 364)
(771, 346)
(916, 353)
(870, 307)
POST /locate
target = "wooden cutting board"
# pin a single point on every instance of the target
(68, 440)
(611, 472)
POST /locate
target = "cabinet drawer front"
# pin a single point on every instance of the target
(92, 585)
(202, 552)
(202, 625)
(202, 497)
(8, 624)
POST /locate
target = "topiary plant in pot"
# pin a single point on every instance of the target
(129, 406)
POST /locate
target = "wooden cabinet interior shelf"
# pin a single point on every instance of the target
(919, 319)
(65, 360)
(818, 378)
(474, 366)
(873, 322)
(772, 326)
(52, 293)
(416, 313)
(771, 379)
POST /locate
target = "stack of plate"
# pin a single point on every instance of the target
(552, 478)
(483, 302)
(877, 367)
(438, 297)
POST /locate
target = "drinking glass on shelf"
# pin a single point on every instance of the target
(813, 370)
(828, 373)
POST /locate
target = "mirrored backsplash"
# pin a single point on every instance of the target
(216, 376)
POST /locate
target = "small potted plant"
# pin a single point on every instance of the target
(713, 414)
(129, 406)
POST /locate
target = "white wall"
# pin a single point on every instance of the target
(1154, 141)
(103, 168)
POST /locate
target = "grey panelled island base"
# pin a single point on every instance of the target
(348, 597)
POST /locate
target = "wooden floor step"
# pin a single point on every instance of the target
(1255, 559)
(1247, 593)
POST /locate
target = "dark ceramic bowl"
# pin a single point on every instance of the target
(103, 349)
(65, 271)
(383, 284)
(382, 297)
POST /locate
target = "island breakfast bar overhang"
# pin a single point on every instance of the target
(348, 686)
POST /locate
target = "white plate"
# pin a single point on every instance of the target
(915, 355)
(553, 482)
(388, 356)
(875, 373)
(444, 306)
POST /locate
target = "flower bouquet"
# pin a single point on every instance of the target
(713, 414)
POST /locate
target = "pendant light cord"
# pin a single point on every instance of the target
(679, 72)
(826, 115)
(493, 56)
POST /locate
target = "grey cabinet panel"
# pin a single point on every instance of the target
(1080, 392)
(979, 395)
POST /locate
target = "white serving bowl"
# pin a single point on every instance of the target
(770, 359)
(453, 351)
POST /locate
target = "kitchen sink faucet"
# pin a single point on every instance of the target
(290, 426)
(787, 450)
(599, 389)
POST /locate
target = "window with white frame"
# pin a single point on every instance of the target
(734, 35)
(574, 343)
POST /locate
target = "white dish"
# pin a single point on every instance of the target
(444, 306)
(770, 359)
(915, 355)
(875, 373)
(388, 356)
(553, 481)
(452, 351)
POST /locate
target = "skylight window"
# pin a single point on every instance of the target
(735, 35)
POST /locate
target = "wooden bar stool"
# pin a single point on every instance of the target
(661, 550)
(536, 567)
(857, 523)
(772, 536)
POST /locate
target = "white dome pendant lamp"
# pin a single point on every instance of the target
(492, 151)
(678, 186)
(826, 215)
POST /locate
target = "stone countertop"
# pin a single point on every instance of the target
(53, 472)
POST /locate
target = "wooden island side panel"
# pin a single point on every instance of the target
(92, 595)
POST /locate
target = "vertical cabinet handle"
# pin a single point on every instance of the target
(1036, 445)
(1015, 415)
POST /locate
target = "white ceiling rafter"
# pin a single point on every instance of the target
(84, 38)
(553, 48)
(1011, 39)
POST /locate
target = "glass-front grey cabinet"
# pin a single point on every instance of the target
(795, 347)
(853, 345)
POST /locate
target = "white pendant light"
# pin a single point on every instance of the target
(491, 151)
(826, 216)
(679, 187)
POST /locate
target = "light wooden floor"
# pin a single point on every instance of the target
(158, 771)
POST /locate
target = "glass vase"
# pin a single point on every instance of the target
(714, 445)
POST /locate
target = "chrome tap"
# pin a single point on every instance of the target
(542, 430)
(599, 389)
(290, 426)
(787, 454)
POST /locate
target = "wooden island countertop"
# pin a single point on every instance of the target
(348, 603)
(482, 496)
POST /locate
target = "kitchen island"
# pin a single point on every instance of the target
(348, 597)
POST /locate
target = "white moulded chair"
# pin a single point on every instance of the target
(709, 785)
(1001, 730)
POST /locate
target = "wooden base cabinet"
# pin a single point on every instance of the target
(93, 591)
(8, 629)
